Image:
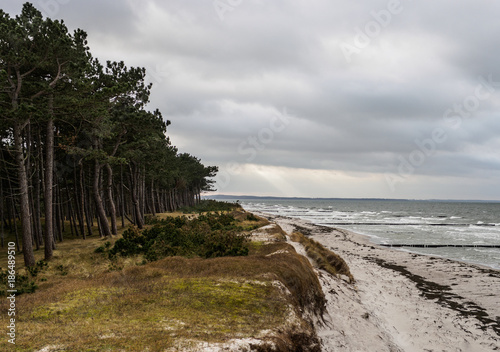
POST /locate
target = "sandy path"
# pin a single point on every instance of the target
(403, 301)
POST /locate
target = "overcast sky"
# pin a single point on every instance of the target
(317, 98)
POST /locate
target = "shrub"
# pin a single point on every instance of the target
(103, 248)
(225, 244)
(39, 267)
(218, 221)
(176, 221)
(208, 205)
(23, 283)
(251, 217)
(208, 236)
(132, 243)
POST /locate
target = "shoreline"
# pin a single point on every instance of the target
(402, 301)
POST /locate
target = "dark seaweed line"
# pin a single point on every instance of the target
(432, 291)
(443, 245)
(405, 224)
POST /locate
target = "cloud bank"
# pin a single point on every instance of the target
(394, 99)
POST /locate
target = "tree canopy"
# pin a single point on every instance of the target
(77, 142)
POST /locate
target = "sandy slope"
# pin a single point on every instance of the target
(403, 301)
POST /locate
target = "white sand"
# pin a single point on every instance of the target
(403, 301)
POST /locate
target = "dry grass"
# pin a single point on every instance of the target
(146, 308)
(85, 302)
(243, 219)
(324, 258)
(277, 233)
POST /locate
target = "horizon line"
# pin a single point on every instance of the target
(207, 195)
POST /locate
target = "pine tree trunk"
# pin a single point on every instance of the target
(60, 212)
(28, 142)
(122, 197)
(143, 192)
(38, 195)
(59, 221)
(88, 213)
(133, 194)
(14, 217)
(78, 203)
(101, 213)
(72, 212)
(112, 207)
(29, 257)
(49, 190)
(153, 205)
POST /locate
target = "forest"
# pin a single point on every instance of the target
(78, 146)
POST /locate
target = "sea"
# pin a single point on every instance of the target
(402, 222)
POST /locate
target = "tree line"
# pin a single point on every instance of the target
(77, 144)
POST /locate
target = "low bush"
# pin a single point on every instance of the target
(252, 217)
(23, 283)
(208, 236)
(208, 205)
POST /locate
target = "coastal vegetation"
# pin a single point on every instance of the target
(77, 143)
(325, 259)
(207, 236)
(130, 302)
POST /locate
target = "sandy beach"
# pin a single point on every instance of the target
(402, 301)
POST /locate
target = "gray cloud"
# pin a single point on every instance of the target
(222, 82)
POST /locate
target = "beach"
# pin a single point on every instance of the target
(401, 301)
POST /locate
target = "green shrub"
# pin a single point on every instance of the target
(23, 283)
(103, 248)
(208, 205)
(251, 217)
(225, 244)
(39, 267)
(131, 243)
(63, 271)
(208, 236)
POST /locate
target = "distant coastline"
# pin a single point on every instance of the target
(247, 197)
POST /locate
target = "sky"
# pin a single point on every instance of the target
(318, 98)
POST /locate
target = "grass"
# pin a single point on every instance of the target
(324, 258)
(144, 308)
(87, 302)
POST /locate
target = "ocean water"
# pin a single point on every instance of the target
(403, 222)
